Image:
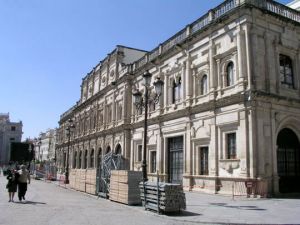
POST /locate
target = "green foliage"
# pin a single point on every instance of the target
(20, 152)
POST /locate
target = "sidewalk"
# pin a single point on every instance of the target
(223, 210)
(219, 209)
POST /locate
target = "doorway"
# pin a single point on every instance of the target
(288, 161)
(175, 153)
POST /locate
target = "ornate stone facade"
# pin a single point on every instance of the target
(231, 98)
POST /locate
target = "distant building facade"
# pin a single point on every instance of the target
(9, 132)
(44, 146)
(229, 112)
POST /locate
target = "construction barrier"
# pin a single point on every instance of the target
(250, 188)
(61, 180)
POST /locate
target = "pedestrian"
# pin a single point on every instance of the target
(24, 176)
(11, 185)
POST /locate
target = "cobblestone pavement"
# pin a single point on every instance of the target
(50, 204)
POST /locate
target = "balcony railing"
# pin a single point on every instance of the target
(213, 15)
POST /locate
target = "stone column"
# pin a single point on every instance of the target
(159, 153)
(248, 55)
(241, 56)
(213, 159)
(166, 91)
(244, 143)
(184, 83)
(188, 83)
(114, 105)
(212, 74)
(219, 78)
(127, 147)
(188, 155)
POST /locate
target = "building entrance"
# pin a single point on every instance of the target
(288, 161)
(175, 150)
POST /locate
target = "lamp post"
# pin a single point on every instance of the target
(70, 126)
(143, 101)
(38, 143)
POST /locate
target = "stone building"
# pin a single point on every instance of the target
(229, 111)
(45, 146)
(9, 132)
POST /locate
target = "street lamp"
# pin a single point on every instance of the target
(69, 127)
(143, 101)
(38, 143)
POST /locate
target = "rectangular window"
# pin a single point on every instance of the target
(139, 153)
(176, 91)
(100, 117)
(153, 161)
(120, 111)
(13, 128)
(109, 113)
(286, 71)
(203, 161)
(231, 145)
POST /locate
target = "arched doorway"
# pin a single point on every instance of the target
(118, 150)
(288, 161)
(108, 149)
(79, 160)
(85, 162)
(92, 159)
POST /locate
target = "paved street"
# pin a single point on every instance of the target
(49, 204)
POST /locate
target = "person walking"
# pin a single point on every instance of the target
(11, 185)
(24, 176)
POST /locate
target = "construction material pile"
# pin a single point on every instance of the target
(124, 186)
(162, 197)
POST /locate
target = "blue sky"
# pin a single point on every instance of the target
(48, 46)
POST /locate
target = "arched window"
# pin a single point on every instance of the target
(203, 84)
(176, 91)
(92, 159)
(118, 149)
(230, 74)
(286, 71)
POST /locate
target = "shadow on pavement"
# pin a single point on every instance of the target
(287, 196)
(182, 214)
(243, 207)
(31, 202)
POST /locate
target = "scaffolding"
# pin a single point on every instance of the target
(109, 162)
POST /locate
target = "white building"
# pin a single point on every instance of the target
(229, 112)
(9, 132)
(45, 146)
